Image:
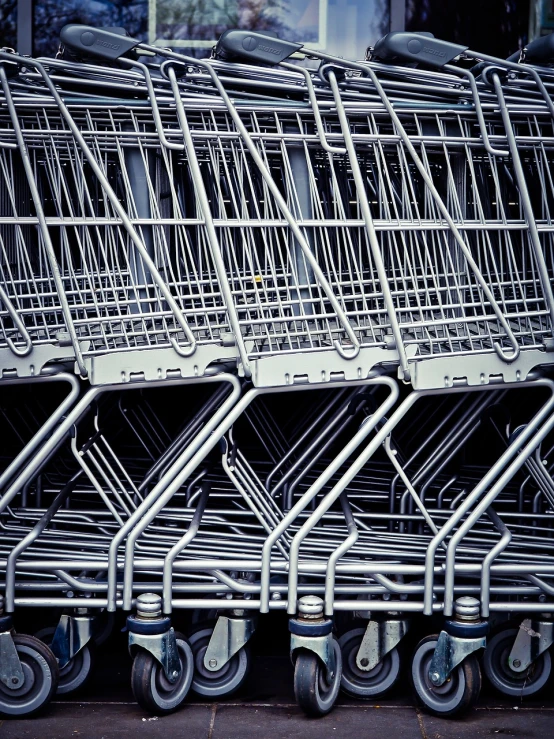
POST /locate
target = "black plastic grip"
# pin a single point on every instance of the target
(514, 58)
(97, 42)
(415, 47)
(541, 50)
(254, 47)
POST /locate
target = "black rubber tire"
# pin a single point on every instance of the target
(40, 668)
(503, 678)
(366, 685)
(75, 675)
(152, 691)
(224, 682)
(458, 695)
(314, 694)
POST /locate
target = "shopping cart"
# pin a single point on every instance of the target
(111, 268)
(317, 230)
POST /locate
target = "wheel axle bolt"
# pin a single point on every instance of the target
(213, 663)
(15, 680)
(435, 677)
(517, 663)
(174, 673)
(364, 662)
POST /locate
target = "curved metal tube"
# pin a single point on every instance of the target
(466, 73)
(505, 64)
(178, 547)
(477, 492)
(114, 201)
(31, 536)
(526, 204)
(341, 550)
(47, 427)
(349, 353)
(370, 228)
(154, 103)
(14, 315)
(438, 201)
(506, 537)
(164, 489)
(362, 433)
(211, 232)
(37, 202)
(482, 507)
(315, 108)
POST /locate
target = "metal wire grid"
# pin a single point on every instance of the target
(280, 306)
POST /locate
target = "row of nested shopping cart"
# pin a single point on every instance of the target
(277, 331)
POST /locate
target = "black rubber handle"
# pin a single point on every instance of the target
(515, 57)
(416, 47)
(97, 42)
(541, 50)
(254, 47)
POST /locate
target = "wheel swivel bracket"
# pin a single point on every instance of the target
(71, 635)
(380, 638)
(230, 634)
(11, 672)
(322, 646)
(449, 653)
(533, 638)
(163, 647)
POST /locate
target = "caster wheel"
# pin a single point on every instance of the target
(458, 694)
(222, 682)
(366, 685)
(151, 688)
(77, 672)
(40, 669)
(314, 693)
(503, 678)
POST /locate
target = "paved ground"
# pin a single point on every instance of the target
(266, 708)
(107, 720)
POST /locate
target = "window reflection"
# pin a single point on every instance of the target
(342, 27)
(201, 22)
(8, 21)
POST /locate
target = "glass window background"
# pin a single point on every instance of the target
(343, 27)
(8, 23)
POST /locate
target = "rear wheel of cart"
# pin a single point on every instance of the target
(315, 693)
(500, 674)
(151, 688)
(77, 672)
(226, 681)
(366, 685)
(40, 679)
(458, 694)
